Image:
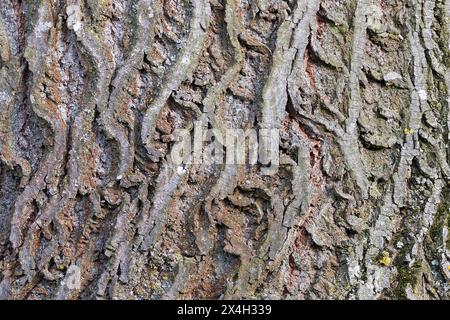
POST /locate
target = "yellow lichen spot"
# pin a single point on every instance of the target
(408, 131)
(385, 260)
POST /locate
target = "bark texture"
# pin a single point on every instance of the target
(92, 91)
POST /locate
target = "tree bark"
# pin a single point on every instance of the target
(96, 95)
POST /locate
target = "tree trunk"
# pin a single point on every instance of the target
(348, 102)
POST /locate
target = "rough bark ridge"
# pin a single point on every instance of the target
(92, 91)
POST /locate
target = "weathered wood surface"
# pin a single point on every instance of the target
(92, 93)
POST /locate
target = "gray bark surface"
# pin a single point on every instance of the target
(93, 93)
